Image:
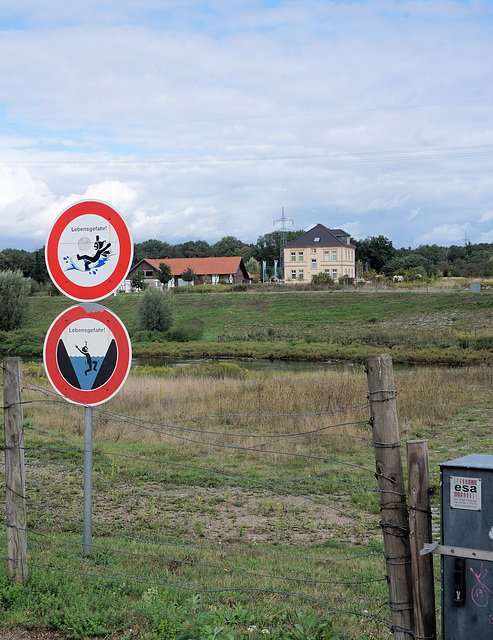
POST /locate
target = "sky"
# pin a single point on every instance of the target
(199, 119)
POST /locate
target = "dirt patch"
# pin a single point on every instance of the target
(220, 515)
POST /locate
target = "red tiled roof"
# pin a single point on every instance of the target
(201, 266)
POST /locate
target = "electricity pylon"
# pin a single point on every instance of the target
(283, 221)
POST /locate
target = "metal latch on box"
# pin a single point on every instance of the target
(456, 552)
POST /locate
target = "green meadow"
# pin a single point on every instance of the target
(453, 327)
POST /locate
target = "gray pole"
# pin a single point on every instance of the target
(86, 538)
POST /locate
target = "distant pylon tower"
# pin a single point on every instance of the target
(283, 221)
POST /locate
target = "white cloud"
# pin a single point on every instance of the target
(202, 119)
(446, 234)
(486, 237)
(486, 217)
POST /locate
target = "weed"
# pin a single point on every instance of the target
(311, 627)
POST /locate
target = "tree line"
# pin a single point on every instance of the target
(470, 260)
(373, 254)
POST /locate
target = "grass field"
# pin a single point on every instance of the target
(204, 530)
(419, 326)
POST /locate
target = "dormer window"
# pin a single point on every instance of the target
(316, 239)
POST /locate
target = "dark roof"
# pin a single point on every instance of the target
(326, 238)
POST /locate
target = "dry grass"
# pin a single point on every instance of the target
(267, 403)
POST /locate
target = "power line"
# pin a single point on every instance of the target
(357, 157)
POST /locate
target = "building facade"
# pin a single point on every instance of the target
(319, 250)
(207, 270)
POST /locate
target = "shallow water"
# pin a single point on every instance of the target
(250, 363)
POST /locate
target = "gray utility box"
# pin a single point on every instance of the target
(467, 523)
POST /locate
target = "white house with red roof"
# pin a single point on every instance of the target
(230, 269)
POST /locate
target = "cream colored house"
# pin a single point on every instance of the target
(319, 250)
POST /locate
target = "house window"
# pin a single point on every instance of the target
(316, 239)
(334, 255)
(314, 250)
(147, 273)
(314, 264)
(327, 255)
(293, 256)
(300, 256)
(293, 274)
(334, 274)
(301, 275)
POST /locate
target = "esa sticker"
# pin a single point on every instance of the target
(465, 493)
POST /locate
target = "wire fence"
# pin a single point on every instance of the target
(222, 505)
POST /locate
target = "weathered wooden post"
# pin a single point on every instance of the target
(420, 534)
(15, 479)
(393, 507)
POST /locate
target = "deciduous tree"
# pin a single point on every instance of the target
(374, 250)
(164, 274)
(14, 300)
(156, 310)
(188, 275)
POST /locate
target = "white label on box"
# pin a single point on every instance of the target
(465, 493)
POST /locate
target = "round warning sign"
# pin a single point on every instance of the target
(89, 251)
(87, 354)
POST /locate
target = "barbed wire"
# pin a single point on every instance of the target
(122, 417)
(209, 590)
(216, 439)
(221, 547)
(222, 444)
(179, 464)
(127, 537)
(30, 427)
(258, 483)
(123, 485)
(229, 569)
(140, 490)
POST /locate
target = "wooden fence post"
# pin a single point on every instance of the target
(15, 479)
(420, 534)
(393, 507)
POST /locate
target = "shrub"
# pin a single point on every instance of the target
(322, 278)
(186, 333)
(14, 300)
(156, 310)
(484, 342)
(149, 336)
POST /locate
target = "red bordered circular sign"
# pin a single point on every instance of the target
(89, 251)
(87, 354)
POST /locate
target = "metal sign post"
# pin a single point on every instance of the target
(87, 356)
(87, 525)
(87, 351)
